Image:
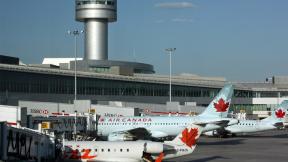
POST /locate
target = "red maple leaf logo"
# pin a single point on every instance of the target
(221, 106)
(189, 138)
(77, 155)
(280, 113)
(86, 154)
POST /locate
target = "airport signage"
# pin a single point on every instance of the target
(93, 111)
(45, 125)
(112, 115)
(126, 120)
(39, 111)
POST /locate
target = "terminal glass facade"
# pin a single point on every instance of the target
(53, 85)
(23, 82)
(249, 108)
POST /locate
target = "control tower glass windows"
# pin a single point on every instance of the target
(110, 3)
(104, 2)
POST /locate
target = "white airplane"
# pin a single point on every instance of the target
(247, 126)
(132, 151)
(147, 127)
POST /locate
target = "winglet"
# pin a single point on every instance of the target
(279, 113)
(281, 110)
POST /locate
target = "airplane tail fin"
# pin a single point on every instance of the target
(220, 105)
(188, 136)
(279, 113)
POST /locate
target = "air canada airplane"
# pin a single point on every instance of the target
(132, 151)
(247, 126)
(147, 127)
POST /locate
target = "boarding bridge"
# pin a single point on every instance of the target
(25, 144)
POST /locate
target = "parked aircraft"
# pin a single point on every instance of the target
(247, 126)
(133, 151)
(146, 127)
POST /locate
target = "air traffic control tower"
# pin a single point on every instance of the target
(96, 14)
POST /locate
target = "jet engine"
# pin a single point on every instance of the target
(153, 147)
(217, 133)
(212, 133)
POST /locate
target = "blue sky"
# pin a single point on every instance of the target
(244, 40)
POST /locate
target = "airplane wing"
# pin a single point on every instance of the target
(136, 134)
(221, 122)
(140, 133)
(131, 134)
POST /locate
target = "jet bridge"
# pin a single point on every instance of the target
(25, 144)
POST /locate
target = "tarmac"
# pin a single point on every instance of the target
(269, 146)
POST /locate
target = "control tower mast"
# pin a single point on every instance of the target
(96, 14)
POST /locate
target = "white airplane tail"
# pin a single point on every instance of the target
(185, 141)
(279, 114)
(220, 105)
(188, 136)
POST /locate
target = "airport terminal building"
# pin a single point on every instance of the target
(42, 83)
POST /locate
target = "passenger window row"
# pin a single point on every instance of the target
(247, 124)
(115, 150)
(103, 150)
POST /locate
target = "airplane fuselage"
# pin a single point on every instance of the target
(158, 126)
(127, 128)
(248, 126)
(116, 151)
(129, 151)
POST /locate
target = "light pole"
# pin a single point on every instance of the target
(75, 125)
(75, 33)
(169, 51)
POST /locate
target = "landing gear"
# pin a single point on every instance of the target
(222, 133)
